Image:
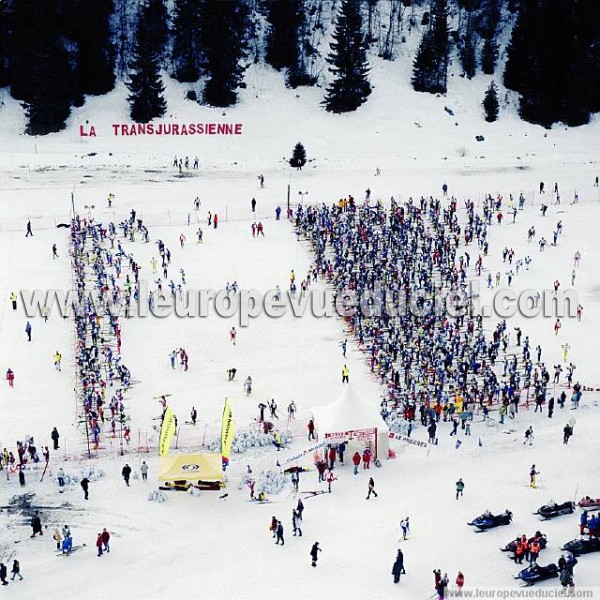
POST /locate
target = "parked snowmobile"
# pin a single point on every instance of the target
(487, 520)
(552, 509)
(588, 502)
(512, 546)
(580, 546)
(536, 573)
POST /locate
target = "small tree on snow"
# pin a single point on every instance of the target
(490, 103)
(298, 159)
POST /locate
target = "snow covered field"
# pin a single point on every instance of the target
(205, 546)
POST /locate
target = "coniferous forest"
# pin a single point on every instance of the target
(545, 54)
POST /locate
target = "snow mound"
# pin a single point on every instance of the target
(157, 496)
(269, 482)
(248, 438)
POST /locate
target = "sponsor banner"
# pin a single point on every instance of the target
(304, 453)
(167, 432)
(227, 432)
(408, 440)
(357, 434)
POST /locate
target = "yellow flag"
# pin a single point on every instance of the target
(227, 432)
(167, 431)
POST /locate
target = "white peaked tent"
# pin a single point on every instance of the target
(352, 418)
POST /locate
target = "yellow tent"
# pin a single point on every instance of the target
(191, 467)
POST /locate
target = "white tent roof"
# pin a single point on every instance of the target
(347, 413)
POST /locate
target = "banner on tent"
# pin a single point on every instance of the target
(305, 452)
(358, 434)
(408, 440)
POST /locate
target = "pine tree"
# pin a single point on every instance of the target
(146, 99)
(468, 56)
(223, 35)
(487, 18)
(489, 56)
(157, 24)
(285, 19)
(348, 59)
(4, 33)
(40, 71)
(87, 24)
(186, 42)
(298, 159)
(490, 103)
(557, 82)
(430, 68)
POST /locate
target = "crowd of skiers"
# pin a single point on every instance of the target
(104, 293)
(435, 366)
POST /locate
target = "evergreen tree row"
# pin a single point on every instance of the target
(54, 53)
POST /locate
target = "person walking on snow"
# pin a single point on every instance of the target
(99, 544)
(366, 458)
(314, 553)
(85, 482)
(105, 537)
(10, 377)
(296, 522)
(398, 567)
(532, 474)
(57, 360)
(36, 525)
(144, 471)
(356, 462)
(28, 331)
(371, 489)
(345, 374)
(460, 581)
(57, 538)
(16, 571)
(330, 479)
(528, 435)
(126, 473)
(54, 435)
(311, 429)
(29, 232)
(460, 486)
(279, 533)
(405, 527)
(232, 335)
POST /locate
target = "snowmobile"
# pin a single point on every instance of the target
(535, 573)
(588, 502)
(552, 509)
(487, 520)
(580, 546)
(542, 539)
